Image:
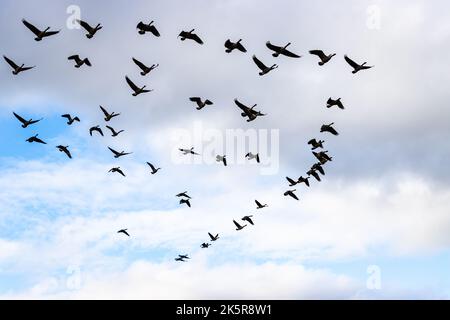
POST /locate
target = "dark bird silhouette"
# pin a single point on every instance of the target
(213, 237)
(205, 245)
(248, 219)
(337, 102)
(183, 194)
(79, 62)
(329, 128)
(38, 33)
(180, 259)
(186, 201)
(303, 180)
(35, 139)
(188, 151)
(183, 256)
(137, 90)
(322, 56)
(238, 226)
(356, 67)
(96, 128)
(200, 104)
(124, 231)
(264, 69)
(318, 167)
(230, 46)
(108, 116)
(248, 112)
(119, 154)
(222, 159)
(313, 173)
(118, 170)
(281, 50)
(16, 69)
(154, 170)
(259, 205)
(190, 35)
(291, 182)
(70, 119)
(25, 123)
(251, 156)
(145, 70)
(322, 157)
(91, 31)
(316, 144)
(291, 194)
(143, 28)
(65, 150)
(114, 133)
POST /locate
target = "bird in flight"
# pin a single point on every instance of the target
(35, 139)
(183, 194)
(205, 245)
(185, 201)
(322, 157)
(264, 69)
(213, 237)
(114, 133)
(143, 28)
(291, 182)
(281, 50)
(222, 159)
(312, 172)
(96, 128)
(190, 35)
(124, 231)
(200, 104)
(145, 70)
(183, 256)
(64, 149)
(337, 102)
(188, 151)
(136, 90)
(79, 62)
(154, 170)
(248, 219)
(118, 170)
(180, 259)
(108, 116)
(318, 167)
(230, 46)
(119, 154)
(91, 30)
(38, 33)
(248, 112)
(291, 194)
(356, 67)
(70, 119)
(238, 226)
(322, 56)
(316, 144)
(259, 205)
(303, 180)
(16, 69)
(251, 156)
(329, 128)
(25, 123)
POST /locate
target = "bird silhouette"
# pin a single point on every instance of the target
(213, 237)
(143, 28)
(322, 157)
(97, 129)
(312, 172)
(38, 33)
(35, 139)
(65, 150)
(124, 231)
(356, 67)
(114, 133)
(222, 159)
(322, 56)
(200, 104)
(291, 194)
(230, 46)
(16, 69)
(318, 167)
(281, 50)
(259, 205)
(264, 69)
(190, 35)
(303, 180)
(79, 62)
(205, 245)
(251, 156)
(118, 170)
(248, 112)
(70, 119)
(180, 259)
(108, 116)
(316, 144)
(119, 154)
(183, 256)
(329, 128)
(238, 226)
(183, 194)
(337, 102)
(25, 123)
(145, 70)
(188, 151)
(291, 182)
(91, 31)
(185, 201)
(136, 90)
(248, 219)
(154, 170)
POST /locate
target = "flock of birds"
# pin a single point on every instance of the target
(316, 170)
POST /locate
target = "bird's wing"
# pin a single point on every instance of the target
(290, 54)
(104, 111)
(196, 38)
(241, 105)
(50, 33)
(351, 62)
(66, 116)
(183, 34)
(153, 30)
(85, 25)
(195, 99)
(312, 141)
(258, 203)
(208, 102)
(66, 151)
(258, 62)
(39, 140)
(20, 118)
(74, 57)
(290, 180)
(318, 53)
(131, 84)
(10, 62)
(87, 62)
(125, 232)
(333, 131)
(225, 162)
(33, 29)
(211, 236)
(240, 47)
(113, 151)
(237, 224)
(151, 166)
(273, 47)
(257, 158)
(293, 195)
(366, 67)
(27, 68)
(112, 129)
(140, 64)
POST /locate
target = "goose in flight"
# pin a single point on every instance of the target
(96, 128)
(135, 88)
(329, 128)
(108, 116)
(322, 157)
(230, 46)
(38, 33)
(186, 201)
(145, 70)
(91, 30)
(119, 154)
(291, 182)
(143, 28)
(264, 69)
(64, 149)
(183, 194)
(238, 226)
(200, 104)
(222, 159)
(25, 123)
(16, 69)
(124, 231)
(248, 219)
(205, 245)
(190, 35)
(213, 237)
(180, 259)
(312, 172)
(251, 156)
(118, 170)
(337, 102)
(248, 112)
(291, 194)
(79, 62)
(188, 151)
(281, 50)
(154, 170)
(316, 144)
(318, 167)
(114, 133)
(183, 256)
(259, 205)
(322, 56)
(356, 67)
(70, 119)
(35, 139)
(303, 180)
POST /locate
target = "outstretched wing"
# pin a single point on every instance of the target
(258, 62)
(312, 141)
(288, 53)
(318, 53)
(291, 181)
(131, 84)
(351, 62)
(113, 151)
(196, 38)
(104, 111)
(112, 129)
(85, 25)
(237, 224)
(67, 116)
(33, 29)
(241, 106)
(153, 30)
(50, 33)
(151, 166)
(273, 47)
(258, 203)
(67, 152)
(140, 64)
(20, 118)
(74, 57)
(10, 62)
(240, 47)
(195, 99)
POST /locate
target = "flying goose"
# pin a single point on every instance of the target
(119, 154)
(248, 219)
(143, 28)
(329, 128)
(200, 104)
(25, 123)
(205, 245)
(65, 150)
(281, 50)
(108, 116)
(135, 88)
(35, 139)
(114, 133)
(79, 62)
(318, 167)
(213, 237)
(96, 128)
(251, 156)
(291, 194)
(118, 170)
(316, 144)
(124, 231)
(186, 201)
(16, 69)
(238, 226)
(356, 67)
(91, 30)
(183, 194)
(145, 70)
(70, 119)
(222, 159)
(188, 151)
(291, 182)
(337, 102)
(180, 259)
(38, 33)
(248, 112)
(322, 56)
(313, 173)
(322, 157)
(190, 35)
(230, 46)
(154, 170)
(264, 69)
(259, 205)
(303, 180)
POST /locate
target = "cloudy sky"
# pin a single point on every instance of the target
(377, 226)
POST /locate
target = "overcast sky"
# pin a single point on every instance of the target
(379, 215)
